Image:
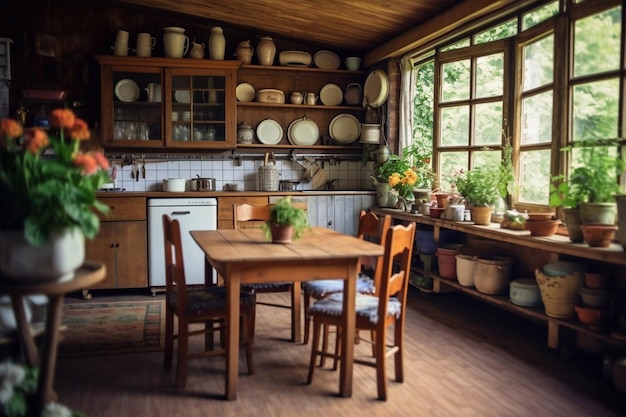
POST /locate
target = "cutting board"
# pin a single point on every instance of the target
(318, 181)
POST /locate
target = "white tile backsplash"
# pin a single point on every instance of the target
(352, 175)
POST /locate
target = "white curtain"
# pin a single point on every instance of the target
(407, 92)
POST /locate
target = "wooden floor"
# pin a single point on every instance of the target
(462, 358)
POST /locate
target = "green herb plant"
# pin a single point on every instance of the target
(283, 212)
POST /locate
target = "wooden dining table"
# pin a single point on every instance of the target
(245, 257)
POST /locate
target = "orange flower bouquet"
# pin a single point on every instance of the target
(44, 194)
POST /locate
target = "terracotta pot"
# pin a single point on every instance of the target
(442, 199)
(281, 233)
(598, 235)
(596, 280)
(481, 215)
(542, 227)
(591, 316)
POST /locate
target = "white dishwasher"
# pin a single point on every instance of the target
(192, 214)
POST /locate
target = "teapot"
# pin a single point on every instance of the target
(353, 94)
(311, 99)
(197, 50)
(244, 52)
(297, 97)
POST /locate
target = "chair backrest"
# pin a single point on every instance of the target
(174, 262)
(398, 255)
(255, 215)
(247, 215)
(374, 228)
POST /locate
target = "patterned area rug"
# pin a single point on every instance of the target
(112, 327)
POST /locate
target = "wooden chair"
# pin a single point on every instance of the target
(255, 215)
(190, 305)
(374, 312)
(371, 227)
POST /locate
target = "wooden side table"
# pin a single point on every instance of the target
(86, 276)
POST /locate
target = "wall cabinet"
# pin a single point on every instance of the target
(122, 243)
(167, 102)
(529, 253)
(297, 79)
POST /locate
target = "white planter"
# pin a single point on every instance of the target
(55, 260)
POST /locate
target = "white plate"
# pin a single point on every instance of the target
(127, 90)
(331, 95)
(182, 96)
(344, 128)
(269, 132)
(303, 132)
(376, 89)
(326, 60)
(245, 92)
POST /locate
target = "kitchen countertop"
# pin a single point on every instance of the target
(157, 194)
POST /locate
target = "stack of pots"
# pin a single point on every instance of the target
(595, 298)
(559, 283)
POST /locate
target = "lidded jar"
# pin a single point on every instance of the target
(244, 52)
(245, 133)
(217, 43)
(266, 51)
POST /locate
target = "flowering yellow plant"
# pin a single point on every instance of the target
(46, 194)
(404, 182)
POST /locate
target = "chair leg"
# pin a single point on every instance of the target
(248, 333)
(181, 364)
(338, 339)
(317, 326)
(373, 336)
(381, 377)
(307, 318)
(296, 326)
(324, 343)
(398, 356)
(168, 352)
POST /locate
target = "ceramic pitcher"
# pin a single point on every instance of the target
(197, 50)
(244, 52)
(311, 99)
(175, 42)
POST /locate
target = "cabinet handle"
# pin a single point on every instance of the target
(330, 223)
(112, 245)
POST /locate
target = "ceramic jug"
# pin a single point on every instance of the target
(266, 51)
(245, 133)
(297, 97)
(353, 94)
(311, 99)
(145, 43)
(175, 42)
(121, 43)
(217, 43)
(197, 50)
(154, 92)
(244, 52)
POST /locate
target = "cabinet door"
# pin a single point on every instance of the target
(132, 254)
(102, 250)
(200, 108)
(128, 118)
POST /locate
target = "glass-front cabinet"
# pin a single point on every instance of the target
(168, 102)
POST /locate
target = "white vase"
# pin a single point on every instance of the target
(55, 260)
(217, 43)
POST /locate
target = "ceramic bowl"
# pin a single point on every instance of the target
(525, 292)
(353, 63)
(174, 185)
(591, 316)
(595, 298)
(295, 58)
(270, 95)
(436, 212)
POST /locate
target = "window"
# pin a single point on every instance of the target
(518, 79)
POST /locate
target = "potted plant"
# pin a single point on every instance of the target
(479, 188)
(592, 184)
(394, 178)
(286, 222)
(48, 201)
(562, 194)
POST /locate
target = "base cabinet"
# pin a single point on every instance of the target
(338, 212)
(225, 218)
(122, 243)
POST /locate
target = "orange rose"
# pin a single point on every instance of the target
(87, 162)
(62, 119)
(35, 139)
(79, 130)
(10, 128)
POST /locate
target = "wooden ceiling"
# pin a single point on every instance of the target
(352, 25)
